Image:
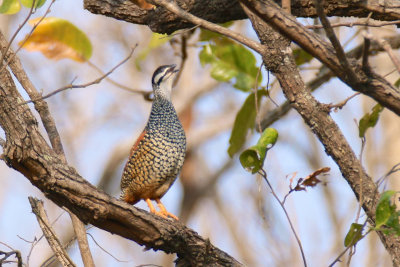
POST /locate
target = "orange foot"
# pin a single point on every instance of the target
(163, 211)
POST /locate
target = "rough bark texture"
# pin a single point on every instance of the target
(27, 151)
(281, 63)
(219, 11)
(368, 82)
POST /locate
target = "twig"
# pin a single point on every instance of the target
(126, 88)
(335, 42)
(357, 23)
(71, 86)
(16, 33)
(256, 98)
(54, 242)
(80, 232)
(172, 7)
(183, 58)
(112, 256)
(341, 104)
(24, 41)
(385, 45)
(17, 254)
(264, 175)
(365, 53)
(394, 169)
(347, 248)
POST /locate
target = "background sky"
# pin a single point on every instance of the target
(98, 125)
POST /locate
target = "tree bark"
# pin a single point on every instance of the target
(316, 116)
(26, 151)
(220, 11)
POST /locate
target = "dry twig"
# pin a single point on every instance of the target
(54, 242)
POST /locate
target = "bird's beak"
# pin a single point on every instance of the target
(172, 69)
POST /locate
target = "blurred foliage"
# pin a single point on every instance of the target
(252, 159)
(244, 121)
(29, 3)
(387, 216)
(229, 61)
(369, 120)
(301, 56)
(10, 7)
(156, 41)
(58, 38)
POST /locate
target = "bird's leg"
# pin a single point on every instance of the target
(163, 211)
(152, 209)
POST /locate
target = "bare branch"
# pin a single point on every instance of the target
(126, 88)
(80, 233)
(105, 251)
(41, 106)
(16, 33)
(71, 86)
(54, 242)
(335, 42)
(385, 45)
(66, 188)
(363, 23)
(172, 7)
(5, 51)
(264, 175)
(370, 83)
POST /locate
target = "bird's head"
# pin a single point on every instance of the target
(162, 80)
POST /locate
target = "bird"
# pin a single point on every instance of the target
(157, 156)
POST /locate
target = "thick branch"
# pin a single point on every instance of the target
(369, 83)
(27, 152)
(317, 117)
(219, 11)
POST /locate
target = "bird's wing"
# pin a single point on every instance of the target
(136, 145)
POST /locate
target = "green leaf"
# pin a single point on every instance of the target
(245, 120)
(354, 234)
(58, 38)
(252, 159)
(222, 71)
(156, 41)
(384, 209)
(369, 120)
(206, 35)
(206, 55)
(230, 61)
(28, 3)
(301, 56)
(10, 7)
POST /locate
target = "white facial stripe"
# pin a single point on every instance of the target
(160, 75)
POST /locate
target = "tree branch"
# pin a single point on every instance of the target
(317, 117)
(369, 83)
(220, 11)
(54, 242)
(27, 152)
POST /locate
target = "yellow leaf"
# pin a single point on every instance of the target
(10, 7)
(58, 38)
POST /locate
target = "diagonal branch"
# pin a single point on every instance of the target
(317, 117)
(27, 151)
(172, 7)
(54, 242)
(369, 83)
(335, 42)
